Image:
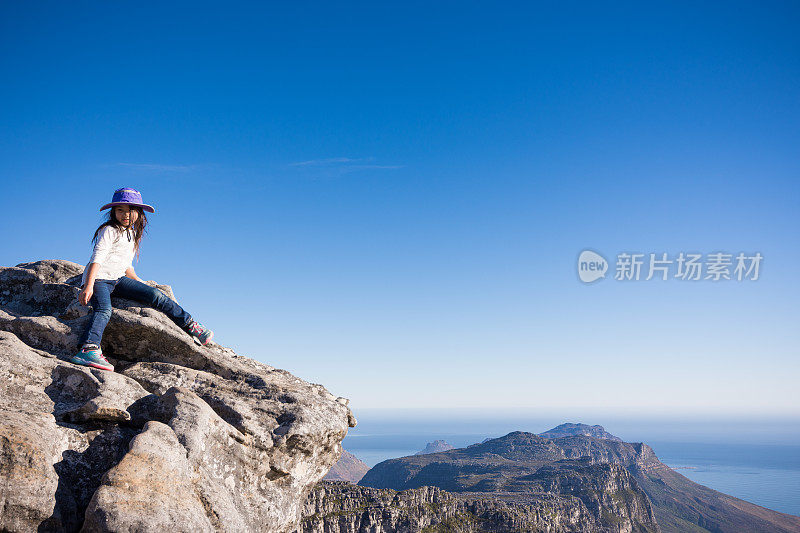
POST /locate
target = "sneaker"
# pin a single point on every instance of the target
(199, 332)
(91, 355)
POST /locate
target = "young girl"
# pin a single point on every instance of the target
(110, 273)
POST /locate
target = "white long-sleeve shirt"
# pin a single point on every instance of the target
(113, 251)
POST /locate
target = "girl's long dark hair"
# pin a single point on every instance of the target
(138, 226)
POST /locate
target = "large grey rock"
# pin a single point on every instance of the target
(51, 466)
(148, 478)
(233, 444)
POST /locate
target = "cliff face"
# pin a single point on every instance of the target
(680, 504)
(181, 437)
(344, 508)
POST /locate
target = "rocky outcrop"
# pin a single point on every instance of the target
(569, 430)
(345, 508)
(435, 447)
(348, 468)
(180, 438)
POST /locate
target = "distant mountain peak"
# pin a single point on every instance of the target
(347, 468)
(435, 447)
(570, 429)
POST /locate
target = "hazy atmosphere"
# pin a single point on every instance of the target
(391, 201)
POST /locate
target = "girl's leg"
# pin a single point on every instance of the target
(101, 304)
(140, 292)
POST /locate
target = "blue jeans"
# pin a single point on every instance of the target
(131, 289)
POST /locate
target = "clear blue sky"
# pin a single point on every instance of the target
(389, 198)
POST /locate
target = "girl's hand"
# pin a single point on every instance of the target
(86, 295)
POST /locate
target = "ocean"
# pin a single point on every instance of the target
(757, 459)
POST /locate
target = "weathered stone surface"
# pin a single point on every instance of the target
(29, 447)
(148, 478)
(44, 454)
(238, 444)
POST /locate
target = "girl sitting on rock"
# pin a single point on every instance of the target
(110, 273)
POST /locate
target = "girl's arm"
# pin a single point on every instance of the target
(92, 275)
(132, 274)
(88, 289)
(101, 250)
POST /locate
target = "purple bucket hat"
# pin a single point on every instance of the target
(128, 196)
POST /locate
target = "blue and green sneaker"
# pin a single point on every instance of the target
(91, 355)
(199, 332)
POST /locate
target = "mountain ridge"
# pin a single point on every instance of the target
(522, 461)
